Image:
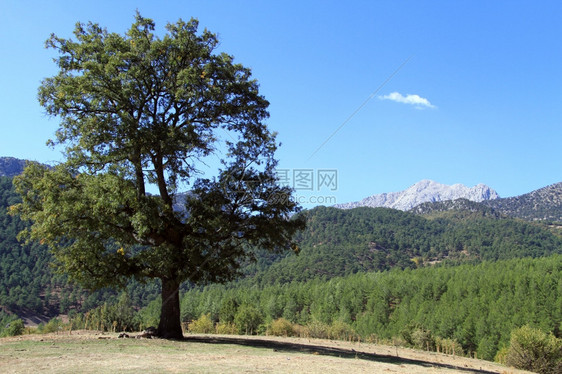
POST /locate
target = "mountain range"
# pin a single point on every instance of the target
(422, 192)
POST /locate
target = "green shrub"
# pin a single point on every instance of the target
(418, 337)
(77, 321)
(228, 310)
(532, 349)
(301, 331)
(203, 325)
(281, 327)
(487, 348)
(14, 328)
(150, 314)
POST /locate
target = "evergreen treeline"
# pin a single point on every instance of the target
(474, 307)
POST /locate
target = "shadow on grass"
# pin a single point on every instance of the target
(327, 351)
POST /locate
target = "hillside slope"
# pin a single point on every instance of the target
(10, 166)
(474, 306)
(338, 242)
(542, 204)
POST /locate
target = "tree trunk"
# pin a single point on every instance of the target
(170, 325)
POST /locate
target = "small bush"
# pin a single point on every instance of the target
(406, 333)
(501, 355)
(30, 330)
(449, 346)
(487, 348)
(228, 310)
(77, 321)
(150, 314)
(226, 328)
(372, 338)
(532, 349)
(53, 325)
(203, 325)
(301, 331)
(423, 339)
(318, 329)
(281, 327)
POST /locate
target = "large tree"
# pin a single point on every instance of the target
(141, 114)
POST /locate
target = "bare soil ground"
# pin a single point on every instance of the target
(93, 352)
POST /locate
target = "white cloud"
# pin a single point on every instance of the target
(416, 100)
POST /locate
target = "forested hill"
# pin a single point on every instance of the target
(10, 166)
(339, 242)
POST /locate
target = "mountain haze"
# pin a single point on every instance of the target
(422, 192)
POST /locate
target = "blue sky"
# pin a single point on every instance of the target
(474, 95)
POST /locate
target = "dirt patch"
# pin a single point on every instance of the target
(91, 352)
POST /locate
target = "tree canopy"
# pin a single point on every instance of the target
(139, 112)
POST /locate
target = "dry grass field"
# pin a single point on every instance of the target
(93, 352)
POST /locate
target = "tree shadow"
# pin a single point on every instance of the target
(293, 347)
